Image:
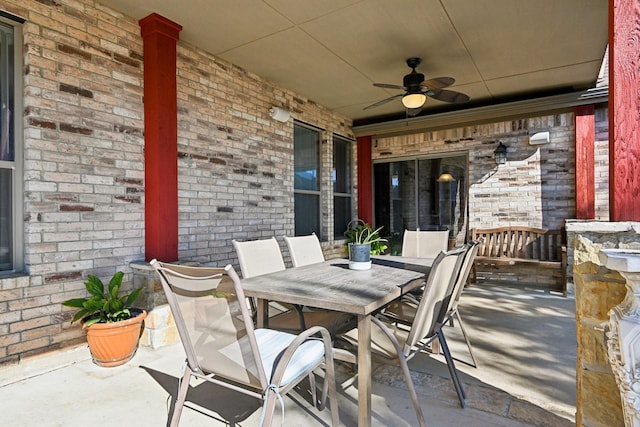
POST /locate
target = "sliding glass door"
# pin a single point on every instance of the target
(425, 194)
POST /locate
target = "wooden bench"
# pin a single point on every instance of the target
(520, 245)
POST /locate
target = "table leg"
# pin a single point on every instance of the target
(364, 371)
(262, 308)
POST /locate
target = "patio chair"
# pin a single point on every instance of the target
(305, 250)
(424, 244)
(257, 257)
(223, 347)
(397, 341)
(452, 309)
(404, 311)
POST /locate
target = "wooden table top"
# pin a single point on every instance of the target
(332, 285)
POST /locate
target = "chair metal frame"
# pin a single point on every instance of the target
(208, 290)
(426, 325)
(452, 310)
(405, 313)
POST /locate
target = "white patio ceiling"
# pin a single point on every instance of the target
(331, 51)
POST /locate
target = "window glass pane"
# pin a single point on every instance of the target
(342, 215)
(7, 149)
(306, 158)
(341, 166)
(428, 215)
(6, 219)
(341, 178)
(307, 208)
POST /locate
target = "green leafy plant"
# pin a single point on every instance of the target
(359, 232)
(103, 306)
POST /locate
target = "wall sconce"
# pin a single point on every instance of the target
(539, 138)
(500, 154)
(279, 114)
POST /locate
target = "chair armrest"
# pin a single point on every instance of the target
(300, 339)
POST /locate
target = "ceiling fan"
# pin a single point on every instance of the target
(417, 89)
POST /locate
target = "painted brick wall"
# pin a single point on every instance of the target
(84, 162)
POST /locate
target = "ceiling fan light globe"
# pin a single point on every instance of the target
(414, 100)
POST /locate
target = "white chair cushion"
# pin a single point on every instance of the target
(272, 343)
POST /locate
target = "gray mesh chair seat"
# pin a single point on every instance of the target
(222, 346)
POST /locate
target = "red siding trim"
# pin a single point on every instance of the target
(585, 162)
(365, 179)
(624, 104)
(161, 137)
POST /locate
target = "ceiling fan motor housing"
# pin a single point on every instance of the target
(412, 82)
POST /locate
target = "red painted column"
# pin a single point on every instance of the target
(160, 36)
(365, 179)
(624, 104)
(585, 162)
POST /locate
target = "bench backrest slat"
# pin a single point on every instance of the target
(520, 242)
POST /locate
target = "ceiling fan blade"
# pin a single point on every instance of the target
(388, 86)
(438, 82)
(447, 96)
(384, 101)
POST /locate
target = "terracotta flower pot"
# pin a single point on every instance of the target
(114, 344)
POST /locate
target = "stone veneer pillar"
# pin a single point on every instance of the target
(159, 326)
(597, 291)
(623, 335)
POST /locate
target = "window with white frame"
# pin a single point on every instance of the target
(11, 258)
(306, 160)
(341, 177)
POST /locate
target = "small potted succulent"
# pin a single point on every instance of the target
(363, 241)
(112, 326)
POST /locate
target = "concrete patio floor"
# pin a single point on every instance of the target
(523, 339)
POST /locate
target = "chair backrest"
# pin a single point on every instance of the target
(465, 269)
(424, 244)
(257, 257)
(304, 250)
(216, 330)
(435, 296)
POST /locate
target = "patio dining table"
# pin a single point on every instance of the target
(332, 285)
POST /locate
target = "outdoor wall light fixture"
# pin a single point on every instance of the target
(279, 114)
(414, 100)
(500, 154)
(539, 138)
